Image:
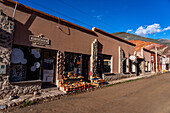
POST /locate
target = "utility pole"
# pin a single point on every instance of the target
(15, 10)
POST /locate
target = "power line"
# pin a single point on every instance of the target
(74, 7)
(60, 13)
(83, 12)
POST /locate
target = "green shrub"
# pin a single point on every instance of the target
(27, 103)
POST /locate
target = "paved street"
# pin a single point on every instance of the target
(149, 95)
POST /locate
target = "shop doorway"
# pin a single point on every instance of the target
(86, 67)
(48, 67)
(100, 65)
(139, 66)
(167, 66)
(77, 64)
(124, 66)
(103, 64)
(130, 65)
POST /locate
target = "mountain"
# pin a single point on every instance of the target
(148, 45)
(164, 41)
(128, 36)
(163, 45)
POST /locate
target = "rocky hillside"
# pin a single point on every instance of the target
(128, 36)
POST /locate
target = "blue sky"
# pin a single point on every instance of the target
(149, 18)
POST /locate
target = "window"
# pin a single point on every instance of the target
(25, 63)
(107, 64)
(104, 64)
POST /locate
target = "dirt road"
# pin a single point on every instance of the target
(149, 95)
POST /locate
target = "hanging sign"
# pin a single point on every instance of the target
(39, 40)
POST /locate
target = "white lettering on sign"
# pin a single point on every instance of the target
(39, 40)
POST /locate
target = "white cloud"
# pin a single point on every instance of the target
(165, 29)
(99, 17)
(141, 31)
(153, 29)
(129, 30)
(150, 29)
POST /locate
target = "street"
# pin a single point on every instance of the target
(149, 95)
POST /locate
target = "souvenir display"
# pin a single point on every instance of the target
(96, 81)
(73, 83)
(74, 77)
(60, 63)
(72, 80)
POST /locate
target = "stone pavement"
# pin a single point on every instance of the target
(54, 93)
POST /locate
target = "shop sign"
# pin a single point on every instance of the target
(39, 40)
(2, 69)
(48, 75)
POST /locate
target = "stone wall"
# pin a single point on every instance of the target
(6, 88)
(18, 88)
(6, 32)
(110, 77)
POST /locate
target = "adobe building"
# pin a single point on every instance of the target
(118, 52)
(45, 47)
(151, 62)
(156, 60)
(144, 61)
(147, 56)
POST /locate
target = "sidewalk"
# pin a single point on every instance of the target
(45, 95)
(149, 74)
(53, 93)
